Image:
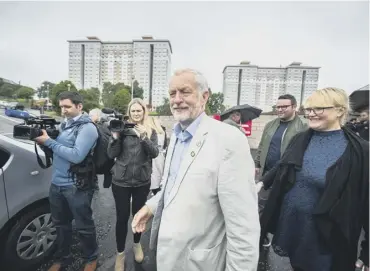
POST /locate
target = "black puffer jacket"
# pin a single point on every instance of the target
(133, 166)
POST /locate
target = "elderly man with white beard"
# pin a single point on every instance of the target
(206, 215)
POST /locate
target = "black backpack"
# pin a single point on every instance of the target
(96, 162)
(102, 162)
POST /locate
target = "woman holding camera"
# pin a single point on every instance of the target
(134, 149)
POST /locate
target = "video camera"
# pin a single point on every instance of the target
(120, 123)
(32, 126)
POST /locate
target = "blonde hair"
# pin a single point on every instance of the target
(155, 125)
(145, 121)
(327, 97)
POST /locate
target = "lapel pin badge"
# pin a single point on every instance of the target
(192, 154)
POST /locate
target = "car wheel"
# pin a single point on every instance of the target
(31, 240)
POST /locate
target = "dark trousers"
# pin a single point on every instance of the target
(122, 196)
(263, 196)
(68, 203)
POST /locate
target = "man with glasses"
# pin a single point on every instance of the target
(275, 138)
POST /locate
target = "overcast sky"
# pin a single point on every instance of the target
(204, 35)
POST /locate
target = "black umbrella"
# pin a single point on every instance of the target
(247, 112)
(359, 99)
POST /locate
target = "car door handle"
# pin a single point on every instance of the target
(34, 173)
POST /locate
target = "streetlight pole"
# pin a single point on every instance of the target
(69, 87)
(42, 108)
(48, 97)
(48, 91)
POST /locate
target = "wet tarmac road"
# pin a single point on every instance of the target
(104, 216)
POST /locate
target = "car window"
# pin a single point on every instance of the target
(4, 157)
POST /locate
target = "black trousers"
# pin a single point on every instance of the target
(263, 196)
(122, 196)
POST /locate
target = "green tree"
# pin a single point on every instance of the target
(90, 98)
(59, 88)
(25, 93)
(215, 103)
(8, 90)
(109, 90)
(164, 109)
(121, 100)
(95, 94)
(44, 89)
(207, 110)
(138, 91)
(106, 93)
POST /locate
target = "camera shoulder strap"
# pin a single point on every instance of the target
(48, 158)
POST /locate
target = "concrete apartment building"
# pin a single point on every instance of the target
(93, 62)
(261, 86)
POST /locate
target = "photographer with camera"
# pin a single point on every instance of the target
(70, 198)
(363, 125)
(134, 149)
(100, 120)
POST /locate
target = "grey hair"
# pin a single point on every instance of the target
(98, 112)
(200, 79)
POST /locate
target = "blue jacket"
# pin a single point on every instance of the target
(71, 147)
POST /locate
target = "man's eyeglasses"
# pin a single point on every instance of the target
(282, 107)
(316, 110)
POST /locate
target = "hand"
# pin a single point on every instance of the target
(41, 139)
(140, 130)
(115, 135)
(360, 264)
(140, 219)
(259, 186)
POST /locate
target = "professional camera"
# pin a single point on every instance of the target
(120, 123)
(32, 126)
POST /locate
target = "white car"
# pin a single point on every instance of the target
(3, 104)
(27, 234)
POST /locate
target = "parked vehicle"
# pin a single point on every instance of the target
(17, 111)
(3, 104)
(27, 234)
